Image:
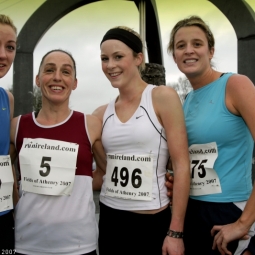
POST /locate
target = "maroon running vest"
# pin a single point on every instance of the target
(72, 130)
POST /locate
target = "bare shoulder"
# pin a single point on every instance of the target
(162, 90)
(93, 120)
(240, 94)
(99, 112)
(239, 82)
(165, 94)
(240, 87)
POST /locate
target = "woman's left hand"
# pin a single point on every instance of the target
(173, 246)
(226, 234)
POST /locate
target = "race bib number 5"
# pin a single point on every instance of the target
(204, 179)
(6, 183)
(48, 166)
(129, 176)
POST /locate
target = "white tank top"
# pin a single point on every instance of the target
(142, 134)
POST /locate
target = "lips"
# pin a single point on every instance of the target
(187, 61)
(113, 75)
(56, 88)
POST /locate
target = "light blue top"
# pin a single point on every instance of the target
(4, 126)
(208, 120)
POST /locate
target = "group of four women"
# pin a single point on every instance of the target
(131, 140)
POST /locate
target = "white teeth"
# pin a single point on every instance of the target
(190, 61)
(56, 88)
(1, 65)
(114, 74)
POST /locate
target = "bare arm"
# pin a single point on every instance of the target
(11, 102)
(240, 98)
(168, 108)
(98, 150)
(12, 152)
(15, 188)
(100, 158)
(97, 178)
(95, 129)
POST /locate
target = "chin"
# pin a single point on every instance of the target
(115, 85)
(2, 74)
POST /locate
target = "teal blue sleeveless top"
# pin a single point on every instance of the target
(208, 120)
(4, 126)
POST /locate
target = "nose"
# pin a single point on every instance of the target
(111, 64)
(189, 49)
(57, 75)
(2, 52)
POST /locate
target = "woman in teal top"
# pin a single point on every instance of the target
(220, 121)
(8, 39)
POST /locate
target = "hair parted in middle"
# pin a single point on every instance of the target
(59, 50)
(188, 22)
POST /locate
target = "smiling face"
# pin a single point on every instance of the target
(7, 48)
(191, 51)
(118, 63)
(56, 77)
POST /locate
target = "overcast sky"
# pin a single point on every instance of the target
(81, 31)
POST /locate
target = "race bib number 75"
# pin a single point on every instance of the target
(204, 179)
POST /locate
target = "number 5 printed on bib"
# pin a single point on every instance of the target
(48, 166)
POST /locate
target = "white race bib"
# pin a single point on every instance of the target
(129, 176)
(48, 166)
(204, 179)
(6, 183)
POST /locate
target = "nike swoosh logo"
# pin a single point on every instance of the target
(4, 109)
(139, 117)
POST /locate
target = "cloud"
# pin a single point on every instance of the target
(81, 31)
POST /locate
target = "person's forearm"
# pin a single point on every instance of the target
(181, 188)
(248, 216)
(97, 179)
(15, 188)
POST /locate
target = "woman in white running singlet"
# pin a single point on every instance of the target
(142, 127)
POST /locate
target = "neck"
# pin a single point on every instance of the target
(51, 115)
(199, 81)
(130, 93)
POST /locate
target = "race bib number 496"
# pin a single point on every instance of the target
(6, 183)
(204, 179)
(48, 166)
(129, 176)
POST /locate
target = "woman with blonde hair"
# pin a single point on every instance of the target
(141, 128)
(220, 120)
(8, 38)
